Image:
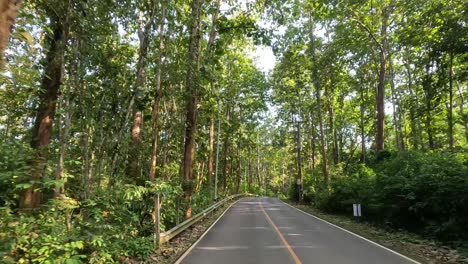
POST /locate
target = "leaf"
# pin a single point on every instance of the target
(26, 36)
(23, 185)
(72, 261)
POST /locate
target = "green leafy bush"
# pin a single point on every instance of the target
(426, 193)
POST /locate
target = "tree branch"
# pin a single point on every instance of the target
(367, 29)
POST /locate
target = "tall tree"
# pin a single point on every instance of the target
(51, 81)
(192, 93)
(145, 26)
(318, 88)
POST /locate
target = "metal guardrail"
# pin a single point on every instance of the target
(168, 235)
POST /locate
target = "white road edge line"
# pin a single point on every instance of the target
(206, 232)
(356, 235)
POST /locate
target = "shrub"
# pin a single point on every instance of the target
(422, 192)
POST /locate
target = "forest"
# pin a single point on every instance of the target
(115, 113)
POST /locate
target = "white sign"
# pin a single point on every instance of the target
(357, 209)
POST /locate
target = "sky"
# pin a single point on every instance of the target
(263, 58)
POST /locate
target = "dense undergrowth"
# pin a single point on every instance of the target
(101, 225)
(426, 193)
(110, 223)
(100, 229)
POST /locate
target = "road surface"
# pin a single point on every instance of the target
(266, 230)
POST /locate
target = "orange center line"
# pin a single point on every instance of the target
(291, 251)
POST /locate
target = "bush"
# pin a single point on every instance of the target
(356, 187)
(426, 193)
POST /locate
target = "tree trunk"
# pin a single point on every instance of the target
(50, 85)
(157, 99)
(192, 94)
(211, 150)
(225, 153)
(463, 116)
(156, 214)
(238, 169)
(397, 116)
(258, 162)
(363, 132)
(63, 139)
(415, 131)
(249, 170)
(312, 142)
(8, 12)
(330, 106)
(299, 156)
(86, 166)
(209, 51)
(427, 85)
(317, 86)
(450, 108)
(144, 36)
(380, 140)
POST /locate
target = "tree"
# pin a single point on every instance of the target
(8, 13)
(192, 90)
(51, 81)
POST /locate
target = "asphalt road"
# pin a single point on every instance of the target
(266, 230)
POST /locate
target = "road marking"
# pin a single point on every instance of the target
(206, 232)
(291, 251)
(356, 235)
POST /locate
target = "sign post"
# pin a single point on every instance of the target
(357, 210)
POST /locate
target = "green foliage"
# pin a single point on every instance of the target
(95, 230)
(139, 247)
(40, 238)
(14, 169)
(420, 192)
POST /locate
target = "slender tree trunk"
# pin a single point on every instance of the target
(415, 131)
(86, 162)
(8, 12)
(397, 116)
(144, 36)
(317, 85)
(463, 115)
(218, 134)
(363, 132)
(258, 162)
(226, 153)
(192, 95)
(50, 85)
(312, 142)
(381, 85)
(330, 106)
(238, 169)
(211, 150)
(63, 139)
(450, 108)
(157, 99)
(249, 170)
(299, 157)
(429, 94)
(209, 53)
(155, 115)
